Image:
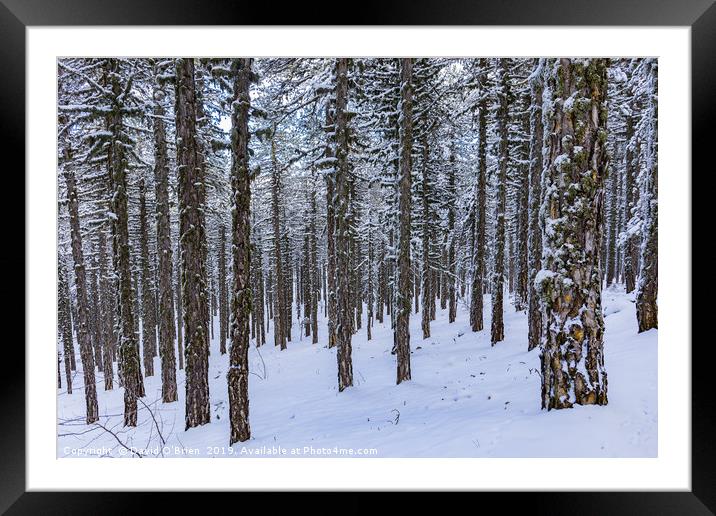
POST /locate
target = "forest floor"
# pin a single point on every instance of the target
(465, 399)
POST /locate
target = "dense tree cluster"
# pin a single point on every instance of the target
(258, 193)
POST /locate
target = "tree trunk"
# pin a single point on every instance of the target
(164, 250)
(93, 301)
(426, 223)
(331, 236)
(313, 266)
(105, 313)
(534, 318)
(238, 375)
(569, 284)
(630, 171)
(306, 287)
(443, 290)
(202, 151)
(196, 350)
(521, 254)
(416, 283)
(370, 286)
(612, 221)
(179, 307)
(450, 270)
(344, 312)
(135, 292)
(287, 278)
(510, 259)
(64, 325)
(478, 277)
(648, 284)
(258, 279)
(149, 324)
(223, 294)
(402, 329)
(83, 335)
(380, 289)
(498, 274)
(279, 293)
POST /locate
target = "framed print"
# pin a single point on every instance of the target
(357, 258)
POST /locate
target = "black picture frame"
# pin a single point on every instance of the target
(16, 15)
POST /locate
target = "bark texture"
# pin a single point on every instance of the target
(344, 307)
(648, 284)
(520, 258)
(238, 375)
(105, 309)
(498, 274)
(164, 254)
(426, 225)
(315, 290)
(402, 329)
(633, 150)
(534, 237)
(451, 270)
(476, 299)
(281, 310)
(191, 229)
(149, 323)
(64, 324)
(223, 293)
(569, 284)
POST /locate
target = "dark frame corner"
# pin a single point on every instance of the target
(16, 15)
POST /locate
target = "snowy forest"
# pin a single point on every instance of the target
(357, 257)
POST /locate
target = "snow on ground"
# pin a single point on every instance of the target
(466, 399)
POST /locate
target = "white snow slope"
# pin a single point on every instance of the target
(465, 399)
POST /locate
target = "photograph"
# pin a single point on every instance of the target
(356, 257)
